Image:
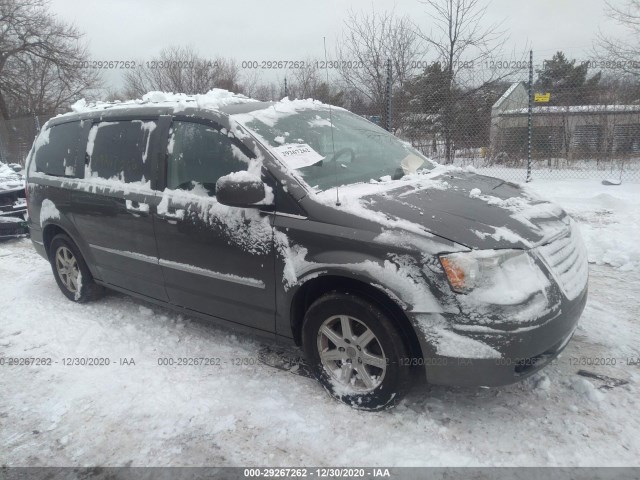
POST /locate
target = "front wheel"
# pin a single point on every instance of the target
(71, 271)
(355, 352)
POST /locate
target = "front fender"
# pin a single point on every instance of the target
(399, 277)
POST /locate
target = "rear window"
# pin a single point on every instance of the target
(57, 150)
(119, 150)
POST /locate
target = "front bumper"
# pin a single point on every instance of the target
(507, 356)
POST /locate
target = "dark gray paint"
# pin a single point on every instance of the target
(333, 239)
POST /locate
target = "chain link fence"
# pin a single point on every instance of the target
(520, 127)
(516, 120)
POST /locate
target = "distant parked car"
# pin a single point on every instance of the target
(310, 225)
(13, 204)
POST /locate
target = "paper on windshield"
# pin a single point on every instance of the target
(411, 163)
(298, 155)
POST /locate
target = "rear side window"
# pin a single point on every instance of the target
(57, 150)
(198, 155)
(119, 150)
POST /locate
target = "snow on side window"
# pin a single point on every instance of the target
(198, 155)
(118, 150)
(56, 150)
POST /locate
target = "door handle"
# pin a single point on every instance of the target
(137, 207)
(171, 215)
(177, 215)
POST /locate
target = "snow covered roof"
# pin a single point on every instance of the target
(576, 109)
(507, 94)
(217, 100)
(213, 100)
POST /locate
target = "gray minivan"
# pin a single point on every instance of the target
(311, 225)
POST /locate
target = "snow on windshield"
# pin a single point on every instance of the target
(329, 146)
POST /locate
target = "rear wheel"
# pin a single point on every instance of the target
(71, 271)
(355, 351)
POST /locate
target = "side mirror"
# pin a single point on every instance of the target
(241, 189)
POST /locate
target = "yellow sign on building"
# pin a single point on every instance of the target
(542, 97)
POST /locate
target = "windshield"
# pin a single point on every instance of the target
(355, 150)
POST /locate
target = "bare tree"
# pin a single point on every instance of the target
(41, 59)
(265, 92)
(305, 80)
(459, 35)
(309, 81)
(462, 42)
(182, 69)
(368, 41)
(37, 85)
(624, 54)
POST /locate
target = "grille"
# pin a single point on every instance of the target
(567, 260)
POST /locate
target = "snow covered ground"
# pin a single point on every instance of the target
(253, 414)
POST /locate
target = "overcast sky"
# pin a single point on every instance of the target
(293, 29)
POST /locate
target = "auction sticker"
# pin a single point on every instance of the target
(298, 155)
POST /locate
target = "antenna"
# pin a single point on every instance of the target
(333, 145)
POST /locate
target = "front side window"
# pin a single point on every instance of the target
(119, 150)
(58, 151)
(198, 155)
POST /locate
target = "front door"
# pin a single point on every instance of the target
(215, 259)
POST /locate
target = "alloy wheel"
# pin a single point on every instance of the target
(67, 268)
(351, 353)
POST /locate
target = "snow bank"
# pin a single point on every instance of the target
(586, 389)
(609, 217)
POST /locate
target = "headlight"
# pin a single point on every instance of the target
(504, 277)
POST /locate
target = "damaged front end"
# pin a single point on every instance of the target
(516, 311)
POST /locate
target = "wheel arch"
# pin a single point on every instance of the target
(51, 229)
(314, 288)
(49, 232)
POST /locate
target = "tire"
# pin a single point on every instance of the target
(385, 379)
(71, 272)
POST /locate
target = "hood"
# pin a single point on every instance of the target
(473, 210)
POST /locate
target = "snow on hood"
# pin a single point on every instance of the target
(357, 198)
(472, 210)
